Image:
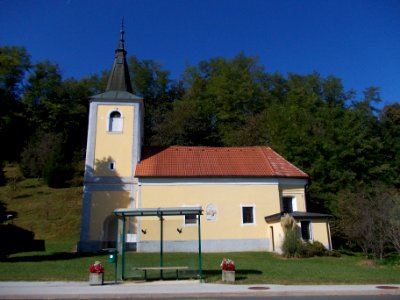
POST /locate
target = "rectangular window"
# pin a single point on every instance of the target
(247, 214)
(287, 203)
(306, 230)
(190, 219)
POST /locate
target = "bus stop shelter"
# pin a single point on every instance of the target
(123, 213)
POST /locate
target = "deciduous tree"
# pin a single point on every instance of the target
(368, 216)
(14, 63)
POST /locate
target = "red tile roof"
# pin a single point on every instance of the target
(180, 161)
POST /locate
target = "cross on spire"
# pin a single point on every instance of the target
(121, 37)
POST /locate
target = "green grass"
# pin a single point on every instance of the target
(251, 267)
(56, 263)
(54, 215)
(51, 214)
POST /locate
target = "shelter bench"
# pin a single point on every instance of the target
(177, 269)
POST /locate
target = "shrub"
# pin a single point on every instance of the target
(35, 155)
(57, 171)
(2, 175)
(333, 253)
(315, 248)
(291, 246)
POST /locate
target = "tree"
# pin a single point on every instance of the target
(57, 111)
(368, 216)
(37, 153)
(394, 222)
(43, 97)
(222, 100)
(58, 168)
(303, 120)
(390, 131)
(158, 91)
(14, 63)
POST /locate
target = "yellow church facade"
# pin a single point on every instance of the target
(243, 192)
(233, 217)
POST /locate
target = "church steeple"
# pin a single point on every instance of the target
(119, 79)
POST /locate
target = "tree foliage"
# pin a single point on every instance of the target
(14, 64)
(158, 91)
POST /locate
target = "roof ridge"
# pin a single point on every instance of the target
(217, 147)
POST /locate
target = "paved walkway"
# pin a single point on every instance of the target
(82, 290)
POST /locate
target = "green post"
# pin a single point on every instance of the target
(116, 267)
(123, 250)
(200, 275)
(161, 245)
(120, 239)
(116, 250)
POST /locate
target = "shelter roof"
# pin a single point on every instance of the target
(297, 215)
(181, 161)
(160, 211)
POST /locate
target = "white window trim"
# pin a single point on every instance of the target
(294, 203)
(184, 218)
(108, 121)
(254, 214)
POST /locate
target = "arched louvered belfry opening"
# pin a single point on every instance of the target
(115, 122)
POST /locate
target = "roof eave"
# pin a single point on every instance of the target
(116, 96)
(297, 216)
(221, 176)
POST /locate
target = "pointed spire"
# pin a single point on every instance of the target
(119, 79)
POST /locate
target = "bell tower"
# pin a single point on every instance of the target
(115, 134)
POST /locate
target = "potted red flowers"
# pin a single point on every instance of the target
(228, 270)
(96, 276)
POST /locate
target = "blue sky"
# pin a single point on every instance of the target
(357, 41)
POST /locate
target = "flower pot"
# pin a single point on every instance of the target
(96, 278)
(228, 276)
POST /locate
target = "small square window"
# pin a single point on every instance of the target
(111, 166)
(247, 214)
(190, 219)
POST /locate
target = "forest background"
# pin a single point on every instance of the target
(349, 146)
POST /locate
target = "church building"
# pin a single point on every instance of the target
(243, 192)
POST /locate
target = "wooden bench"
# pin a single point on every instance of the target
(177, 269)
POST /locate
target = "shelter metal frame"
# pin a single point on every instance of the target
(123, 213)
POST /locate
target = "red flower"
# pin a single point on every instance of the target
(227, 265)
(97, 267)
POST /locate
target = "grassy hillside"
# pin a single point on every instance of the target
(52, 214)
